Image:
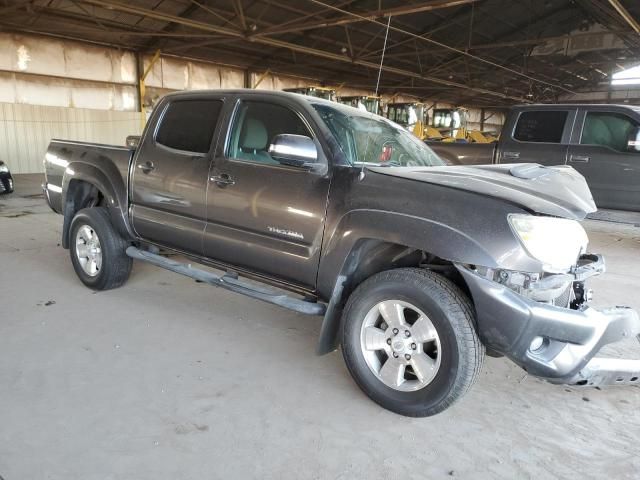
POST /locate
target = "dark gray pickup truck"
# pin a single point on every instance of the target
(416, 267)
(602, 142)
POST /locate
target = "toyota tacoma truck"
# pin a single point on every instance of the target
(418, 268)
(602, 142)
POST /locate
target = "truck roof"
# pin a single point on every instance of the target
(274, 93)
(538, 106)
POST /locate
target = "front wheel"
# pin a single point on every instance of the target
(409, 341)
(97, 250)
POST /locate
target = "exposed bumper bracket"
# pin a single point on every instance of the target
(608, 371)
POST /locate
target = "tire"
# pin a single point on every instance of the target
(455, 353)
(114, 266)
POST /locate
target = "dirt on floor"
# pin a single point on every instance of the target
(165, 378)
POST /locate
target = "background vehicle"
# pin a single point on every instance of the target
(452, 123)
(6, 180)
(413, 117)
(368, 103)
(132, 141)
(601, 142)
(318, 92)
(416, 267)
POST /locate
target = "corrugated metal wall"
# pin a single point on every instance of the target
(26, 130)
(53, 88)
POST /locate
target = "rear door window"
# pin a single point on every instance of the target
(188, 125)
(545, 126)
(607, 129)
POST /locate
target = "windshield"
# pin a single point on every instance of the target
(373, 140)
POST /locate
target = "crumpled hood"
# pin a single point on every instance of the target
(559, 191)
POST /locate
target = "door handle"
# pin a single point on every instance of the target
(579, 158)
(223, 180)
(146, 167)
(510, 154)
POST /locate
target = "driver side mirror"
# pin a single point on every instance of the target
(633, 142)
(294, 150)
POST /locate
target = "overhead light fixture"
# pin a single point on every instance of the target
(630, 76)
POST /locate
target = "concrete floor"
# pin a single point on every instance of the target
(168, 379)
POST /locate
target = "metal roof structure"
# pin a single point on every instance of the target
(475, 52)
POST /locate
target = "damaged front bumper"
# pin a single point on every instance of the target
(554, 342)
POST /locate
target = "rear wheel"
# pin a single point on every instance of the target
(409, 341)
(97, 250)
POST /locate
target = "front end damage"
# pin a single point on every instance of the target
(544, 324)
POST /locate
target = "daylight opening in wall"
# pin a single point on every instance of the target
(630, 76)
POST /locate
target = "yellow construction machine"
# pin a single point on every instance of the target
(369, 103)
(413, 116)
(452, 123)
(315, 91)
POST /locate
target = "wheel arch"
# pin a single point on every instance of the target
(359, 248)
(85, 185)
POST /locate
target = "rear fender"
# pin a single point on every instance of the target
(81, 183)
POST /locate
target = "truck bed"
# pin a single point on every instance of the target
(66, 160)
(465, 153)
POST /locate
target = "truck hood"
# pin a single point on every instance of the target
(559, 191)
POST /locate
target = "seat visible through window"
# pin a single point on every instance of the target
(255, 127)
(608, 129)
(253, 142)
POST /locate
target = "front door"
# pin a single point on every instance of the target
(537, 136)
(599, 152)
(264, 216)
(169, 178)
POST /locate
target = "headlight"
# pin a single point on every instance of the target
(4, 169)
(556, 242)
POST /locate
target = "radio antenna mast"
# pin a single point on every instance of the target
(384, 49)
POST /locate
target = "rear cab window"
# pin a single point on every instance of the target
(188, 125)
(543, 126)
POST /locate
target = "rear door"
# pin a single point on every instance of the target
(170, 171)
(537, 136)
(599, 152)
(264, 216)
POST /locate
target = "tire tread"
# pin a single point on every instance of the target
(116, 268)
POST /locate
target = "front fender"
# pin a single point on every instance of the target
(437, 238)
(363, 236)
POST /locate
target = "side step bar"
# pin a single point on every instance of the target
(229, 281)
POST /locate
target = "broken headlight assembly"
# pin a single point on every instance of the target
(556, 242)
(560, 245)
(554, 289)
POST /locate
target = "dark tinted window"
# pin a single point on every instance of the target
(189, 124)
(255, 126)
(608, 129)
(543, 126)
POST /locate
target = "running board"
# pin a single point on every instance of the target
(229, 281)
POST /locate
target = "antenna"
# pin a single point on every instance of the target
(384, 49)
